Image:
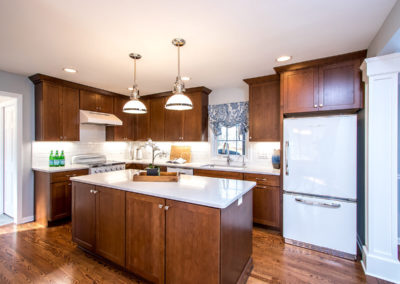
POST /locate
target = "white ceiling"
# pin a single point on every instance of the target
(227, 40)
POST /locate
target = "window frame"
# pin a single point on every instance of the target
(216, 141)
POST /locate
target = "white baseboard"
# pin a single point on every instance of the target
(26, 220)
(379, 267)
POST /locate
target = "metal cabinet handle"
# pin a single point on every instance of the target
(166, 207)
(321, 105)
(91, 191)
(160, 206)
(286, 158)
(315, 106)
(322, 204)
(261, 179)
(261, 186)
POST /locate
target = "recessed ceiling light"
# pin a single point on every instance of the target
(130, 88)
(283, 58)
(69, 70)
(185, 78)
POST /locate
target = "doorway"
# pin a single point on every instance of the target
(8, 159)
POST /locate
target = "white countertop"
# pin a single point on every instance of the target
(248, 169)
(48, 169)
(212, 192)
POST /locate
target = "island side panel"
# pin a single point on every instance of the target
(192, 243)
(236, 240)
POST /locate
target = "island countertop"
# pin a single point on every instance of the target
(212, 192)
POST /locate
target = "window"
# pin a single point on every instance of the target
(235, 140)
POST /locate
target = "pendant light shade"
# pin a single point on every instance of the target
(134, 105)
(179, 101)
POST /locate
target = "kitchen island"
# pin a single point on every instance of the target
(197, 230)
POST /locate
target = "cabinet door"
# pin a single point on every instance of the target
(60, 200)
(173, 130)
(339, 86)
(218, 174)
(110, 224)
(70, 114)
(266, 205)
(104, 103)
(123, 132)
(195, 120)
(300, 90)
(145, 236)
(88, 100)
(264, 109)
(142, 123)
(157, 119)
(51, 122)
(192, 230)
(83, 215)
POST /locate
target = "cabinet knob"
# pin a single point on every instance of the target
(321, 105)
(315, 106)
(166, 207)
(160, 206)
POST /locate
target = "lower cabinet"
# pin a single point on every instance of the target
(98, 221)
(218, 174)
(161, 240)
(145, 236)
(60, 198)
(266, 200)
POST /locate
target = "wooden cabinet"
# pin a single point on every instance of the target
(145, 236)
(328, 84)
(266, 199)
(84, 215)
(142, 122)
(110, 224)
(125, 131)
(264, 108)
(53, 195)
(89, 100)
(340, 86)
(56, 112)
(174, 121)
(98, 218)
(300, 90)
(194, 231)
(218, 174)
(164, 241)
(157, 118)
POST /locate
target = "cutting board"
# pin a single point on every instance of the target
(184, 152)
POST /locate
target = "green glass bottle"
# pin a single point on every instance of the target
(56, 159)
(62, 159)
(51, 159)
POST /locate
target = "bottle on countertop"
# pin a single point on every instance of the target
(56, 159)
(51, 159)
(62, 159)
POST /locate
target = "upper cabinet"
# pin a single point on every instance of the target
(189, 125)
(142, 122)
(328, 84)
(157, 118)
(96, 102)
(264, 108)
(56, 112)
(125, 132)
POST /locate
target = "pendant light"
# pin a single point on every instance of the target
(134, 105)
(179, 101)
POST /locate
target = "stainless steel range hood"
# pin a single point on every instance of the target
(92, 117)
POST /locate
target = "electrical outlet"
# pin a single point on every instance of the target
(263, 156)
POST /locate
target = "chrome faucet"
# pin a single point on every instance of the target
(228, 157)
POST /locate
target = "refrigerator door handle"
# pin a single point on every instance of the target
(286, 158)
(322, 204)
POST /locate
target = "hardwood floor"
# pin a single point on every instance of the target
(30, 253)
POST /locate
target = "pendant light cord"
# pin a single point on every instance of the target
(134, 72)
(179, 62)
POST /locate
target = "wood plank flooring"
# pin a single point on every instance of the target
(30, 253)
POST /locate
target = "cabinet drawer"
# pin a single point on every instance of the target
(64, 176)
(263, 179)
(218, 174)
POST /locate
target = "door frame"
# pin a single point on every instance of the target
(18, 218)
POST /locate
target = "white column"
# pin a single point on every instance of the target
(381, 77)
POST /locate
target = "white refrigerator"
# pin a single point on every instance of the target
(320, 183)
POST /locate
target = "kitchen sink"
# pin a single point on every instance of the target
(214, 166)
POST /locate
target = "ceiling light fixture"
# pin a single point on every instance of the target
(69, 70)
(283, 58)
(179, 101)
(134, 105)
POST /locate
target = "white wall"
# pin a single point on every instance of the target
(228, 95)
(387, 39)
(19, 84)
